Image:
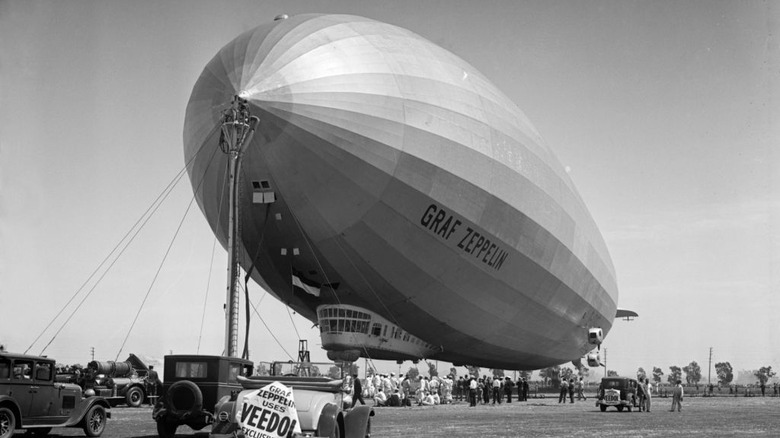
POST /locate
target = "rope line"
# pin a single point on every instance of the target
(211, 263)
(106, 258)
(154, 280)
(108, 269)
(134, 230)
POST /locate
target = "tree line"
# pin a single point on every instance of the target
(724, 373)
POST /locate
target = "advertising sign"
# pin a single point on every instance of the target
(268, 412)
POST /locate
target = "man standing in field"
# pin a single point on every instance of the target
(640, 392)
(648, 387)
(677, 396)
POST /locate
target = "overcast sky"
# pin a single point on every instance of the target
(665, 114)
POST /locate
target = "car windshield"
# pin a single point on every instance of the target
(612, 384)
(5, 368)
(191, 370)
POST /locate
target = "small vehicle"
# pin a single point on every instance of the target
(318, 401)
(118, 382)
(192, 384)
(31, 399)
(619, 392)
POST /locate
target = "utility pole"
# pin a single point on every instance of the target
(709, 368)
(605, 362)
(92, 351)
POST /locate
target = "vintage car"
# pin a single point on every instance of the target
(32, 399)
(619, 392)
(192, 384)
(318, 401)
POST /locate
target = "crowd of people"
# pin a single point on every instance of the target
(392, 390)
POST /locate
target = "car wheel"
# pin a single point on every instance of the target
(166, 430)
(134, 397)
(336, 431)
(39, 431)
(95, 421)
(620, 408)
(603, 408)
(184, 396)
(7, 423)
(368, 428)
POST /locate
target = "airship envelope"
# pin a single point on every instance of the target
(397, 181)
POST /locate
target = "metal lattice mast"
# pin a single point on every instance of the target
(238, 126)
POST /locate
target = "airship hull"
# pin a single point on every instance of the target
(395, 177)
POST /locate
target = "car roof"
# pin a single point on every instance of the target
(8, 355)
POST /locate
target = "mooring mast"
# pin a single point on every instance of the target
(238, 126)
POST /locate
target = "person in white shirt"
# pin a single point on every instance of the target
(473, 392)
(677, 396)
(380, 399)
(427, 399)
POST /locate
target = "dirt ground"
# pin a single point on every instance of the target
(715, 416)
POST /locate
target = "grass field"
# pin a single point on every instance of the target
(701, 416)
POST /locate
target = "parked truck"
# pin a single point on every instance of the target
(119, 382)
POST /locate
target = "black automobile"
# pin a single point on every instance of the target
(619, 392)
(31, 398)
(192, 384)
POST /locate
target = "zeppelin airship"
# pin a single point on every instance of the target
(391, 194)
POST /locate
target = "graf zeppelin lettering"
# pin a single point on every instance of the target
(468, 240)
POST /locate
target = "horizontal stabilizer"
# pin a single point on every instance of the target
(626, 314)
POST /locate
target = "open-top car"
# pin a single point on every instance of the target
(619, 392)
(318, 400)
(32, 399)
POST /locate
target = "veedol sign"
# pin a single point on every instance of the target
(268, 412)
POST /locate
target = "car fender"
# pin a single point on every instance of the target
(328, 417)
(81, 410)
(356, 421)
(225, 417)
(11, 404)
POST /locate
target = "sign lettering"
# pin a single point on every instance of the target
(444, 224)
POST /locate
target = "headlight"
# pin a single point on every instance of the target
(223, 416)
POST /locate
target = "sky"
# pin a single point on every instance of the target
(664, 113)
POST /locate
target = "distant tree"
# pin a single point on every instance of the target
(640, 373)
(497, 372)
(692, 373)
(261, 369)
(764, 374)
(583, 372)
(370, 371)
(350, 368)
(315, 371)
(675, 374)
(612, 373)
(551, 374)
(432, 370)
(473, 370)
(566, 373)
(453, 372)
(278, 368)
(525, 375)
(657, 373)
(341, 369)
(725, 373)
(413, 373)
